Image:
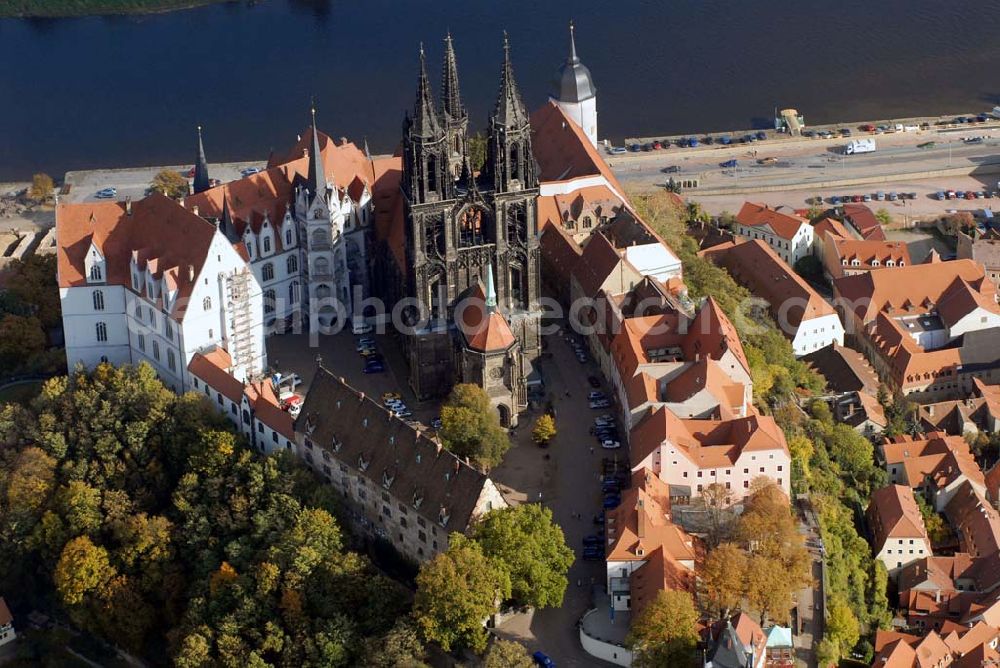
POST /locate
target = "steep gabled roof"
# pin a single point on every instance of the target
(894, 513)
(782, 224)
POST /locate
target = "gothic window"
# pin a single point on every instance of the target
(293, 292)
(269, 300)
(434, 236)
(96, 274)
(320, 238)
(436, 301)
(322, 266)
(171, 360)
(587, 222)
(515, 162)
(471, 227)
(98, 300)
(288, 238)
(267, 244)
(323, 292)
(267, 272)
(517, 289)
(102, 332)
(293, 264)
(206, 303)
(156, 351)
(517, 224)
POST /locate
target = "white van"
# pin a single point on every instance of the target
(359, 326)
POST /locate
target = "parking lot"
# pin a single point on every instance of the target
(83, 186)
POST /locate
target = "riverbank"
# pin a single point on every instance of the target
(69, 8)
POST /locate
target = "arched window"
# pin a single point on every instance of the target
(269, 301)
(293, 292)
(515, 162)
(102, 332)
(156, 350)
(267, 244)
(293, 264)
(517, 292)
(96, 274)
(171, 360)
(206, 303)
(288, 238)
(471, 232)
(587, 222)
(267, 272)
(98, 300)
(322, 266)
(169, 327)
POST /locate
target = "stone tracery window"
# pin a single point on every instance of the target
(472, 227)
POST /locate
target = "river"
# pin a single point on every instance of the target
(109, 91)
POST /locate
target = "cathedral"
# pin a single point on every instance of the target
(471, 243)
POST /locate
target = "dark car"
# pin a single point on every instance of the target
(593, 554)
(373, 368)
(845, 132)
(708, 140)
(542, 659)
(594, 381)
(610, 488)
(599, 519)
(592, 541)
(728, 164)
(635, 148)
(612, 501)
(761, 135)
(672, 169)
(725, 140)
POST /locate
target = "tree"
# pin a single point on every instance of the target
(809, 268)
(724, 577)
(21, 338)
(456, 592)
(842, 627)
(664, 632)
(883, 216)
(544, 429)
(715, 499)
(83, 568)
(400, 647)
(470, 427)
(507, 654)
(42, 187)
(170, 183)
(769, 589)
(524, 542)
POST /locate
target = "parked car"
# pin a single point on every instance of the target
(599, 519)
(761, 135)
(611, 501)
(106, 193)
(590, 554)
(542, 659)
(835, 200)
(595, 394)
(880, 195)
(941, 195)
(657, 146)
(725, 140)
(250, 171)
(374, 368)
(594, 381)
(672, 169)
(436, 423)
(867, 197)
(855, 198)
(610, 445)
(602, 403)
(592, 541)
(893, 197)
(728, 164)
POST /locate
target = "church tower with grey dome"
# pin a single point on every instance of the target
(573, 90)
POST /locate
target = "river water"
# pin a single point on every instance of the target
(116, 91)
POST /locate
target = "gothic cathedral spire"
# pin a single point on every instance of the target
(451, 96)
(509, 110)
(509, 160)
(201, 180)
(425, 119)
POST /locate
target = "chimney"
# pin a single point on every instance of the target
(305, 153)
(930, 409)
(181, 202)
(190, 273)
(128, 205)
(194, 209)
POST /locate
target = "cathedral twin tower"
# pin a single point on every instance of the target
(468, 224)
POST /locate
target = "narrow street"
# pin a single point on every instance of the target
(568, 481)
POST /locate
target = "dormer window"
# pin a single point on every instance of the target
(387, 479)
(443, 516)
(337, 444)
(288, 238)
(418, 498)
(96, 274)
(362, 464)
(267, 244)
(876, 263)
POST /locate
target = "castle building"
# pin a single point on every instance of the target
(574, 91)
(460, 224)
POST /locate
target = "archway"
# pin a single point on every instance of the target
(504, 412)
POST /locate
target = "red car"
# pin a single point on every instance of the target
(969, 194)
(867, 127)
(657, 146)
(856, 198)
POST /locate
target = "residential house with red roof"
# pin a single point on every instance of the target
(690, 455)
(787, 234)
(929, 329)
(799, 311)
(934, 465)
(899, 536)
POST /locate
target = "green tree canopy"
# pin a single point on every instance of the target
(525, 543)
(456, 592)
(507, 654)
(664, 632)
(170, 183)
(470, 426)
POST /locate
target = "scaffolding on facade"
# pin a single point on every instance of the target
(242, 339)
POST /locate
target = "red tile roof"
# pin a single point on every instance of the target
(783, 224)
(563, 151)
(893, 513)
(158, 227)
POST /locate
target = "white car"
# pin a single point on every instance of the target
(106, 193)
(595, 395)
(250, 171)
(610, 445)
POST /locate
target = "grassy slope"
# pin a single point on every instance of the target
(55, 8)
